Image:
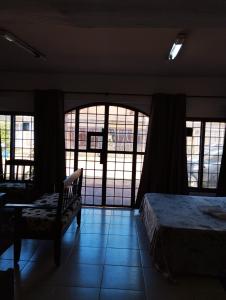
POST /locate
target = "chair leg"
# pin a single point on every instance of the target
(17, 250)
(7, 284)
(79, 217)
(17, 235)
(57, 251)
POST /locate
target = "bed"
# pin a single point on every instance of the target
(185, 234)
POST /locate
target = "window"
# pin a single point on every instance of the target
(205, 141)
(24, 137)
(17, 137)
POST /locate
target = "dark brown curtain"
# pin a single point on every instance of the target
(165, 162)
(221, 185)
(49, 140)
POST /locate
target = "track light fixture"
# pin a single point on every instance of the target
(12, 38)
(177, 45)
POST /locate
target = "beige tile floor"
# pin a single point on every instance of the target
(106, 259)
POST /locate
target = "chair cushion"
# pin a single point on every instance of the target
(18, 192)
(13, 185)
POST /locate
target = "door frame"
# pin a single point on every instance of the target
(134, 153)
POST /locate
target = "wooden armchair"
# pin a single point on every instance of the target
(49, 216)
(7, 284)
(19, 170)
(6, 276)
(18, 179)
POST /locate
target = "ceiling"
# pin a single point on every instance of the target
(113, 37)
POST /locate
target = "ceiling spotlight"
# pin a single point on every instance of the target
(177, 45)
(10, 37)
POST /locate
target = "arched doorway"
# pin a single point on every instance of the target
(108, 142)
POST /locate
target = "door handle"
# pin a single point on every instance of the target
(101, 150)
(101, 157)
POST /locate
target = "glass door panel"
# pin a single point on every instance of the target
(90, 143)
(119, 179)
(120, 129)
(92, 177)
(91, 119)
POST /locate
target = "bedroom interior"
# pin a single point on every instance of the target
(95, 86)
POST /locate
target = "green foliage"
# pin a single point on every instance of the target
(5, 134)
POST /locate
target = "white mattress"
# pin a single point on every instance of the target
(184, 239)
(182, 211)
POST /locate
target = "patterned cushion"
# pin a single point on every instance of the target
(43, 220)
(48, 199)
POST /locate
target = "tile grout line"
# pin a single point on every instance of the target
(102, 277)
(145, 293)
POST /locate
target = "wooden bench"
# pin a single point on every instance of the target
(49, 216)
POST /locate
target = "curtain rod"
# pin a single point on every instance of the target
(112, 93)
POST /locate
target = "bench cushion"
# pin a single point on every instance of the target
(42, 221)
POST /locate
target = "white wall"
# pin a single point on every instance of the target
(16, 102)
(206, 108)
(196, 107)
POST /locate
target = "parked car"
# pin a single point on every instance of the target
(211, 167)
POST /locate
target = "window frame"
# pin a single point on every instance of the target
(203, 122)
